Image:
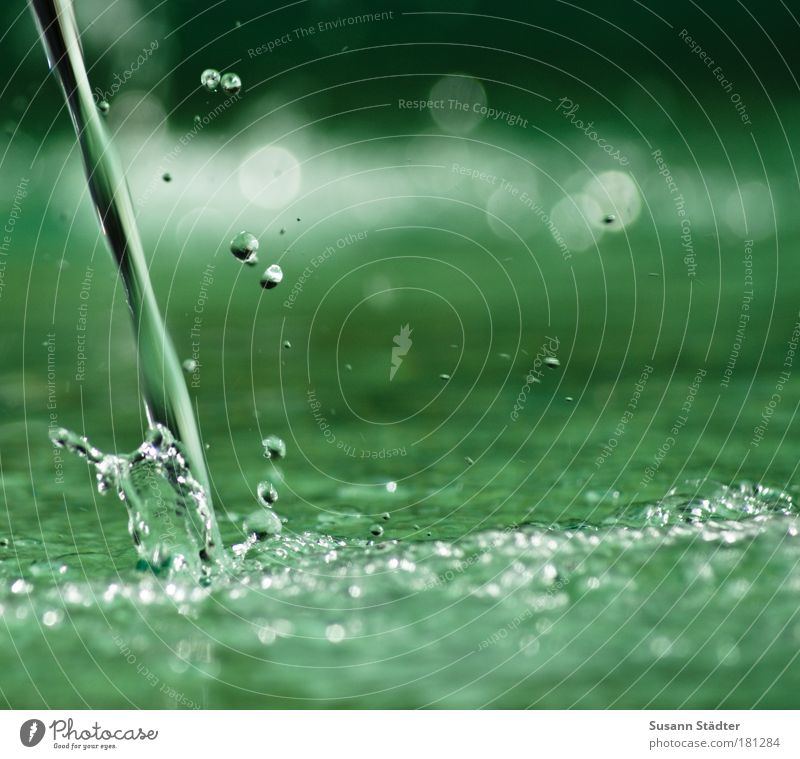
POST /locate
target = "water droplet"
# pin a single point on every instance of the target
(189, 365)
(104, 106)
(231, 84)
(197, 118)
(552, 362)
(469, 460)
(376, 530)
(210, 79)
(271, 277)
(386, 516)
(348, 367)
(609, 218)
(263, 523)
(244, 247)
(287, 344)
(274, 447)
(444, 377)
(266, 493)
(166, 176)
(569, 399)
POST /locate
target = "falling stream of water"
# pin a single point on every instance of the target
(164, 483)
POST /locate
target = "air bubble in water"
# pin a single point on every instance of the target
(263, 523)
(271, 277)
(231, 84)
(104, 106)
(245, 246)
(266, 493)
(210, 79)
(274, 447)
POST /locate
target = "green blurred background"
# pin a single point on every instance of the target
(487, 236)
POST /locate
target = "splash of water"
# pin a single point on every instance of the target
(180, 467)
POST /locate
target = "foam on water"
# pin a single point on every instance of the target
(396, 613)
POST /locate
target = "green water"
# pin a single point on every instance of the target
(621, 533)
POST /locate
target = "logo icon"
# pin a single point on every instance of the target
(31, 732)
(402, 344)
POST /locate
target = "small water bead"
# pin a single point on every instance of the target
(274, 447)
(231, 83)
(376, 530)
(244, 247)
(609, 218)
(166, 176)
(104, 106)
(444, 377)
(196, 118)
(552, 362)
(266, 493)
(272, 277)
(287, 344)
(189, 365)
(210, 79)
(386, 516)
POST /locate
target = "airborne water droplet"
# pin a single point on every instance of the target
(244, 247)
(210, 79)
(231, 83)
(266, 493)
(274, 447)
(271, 277)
